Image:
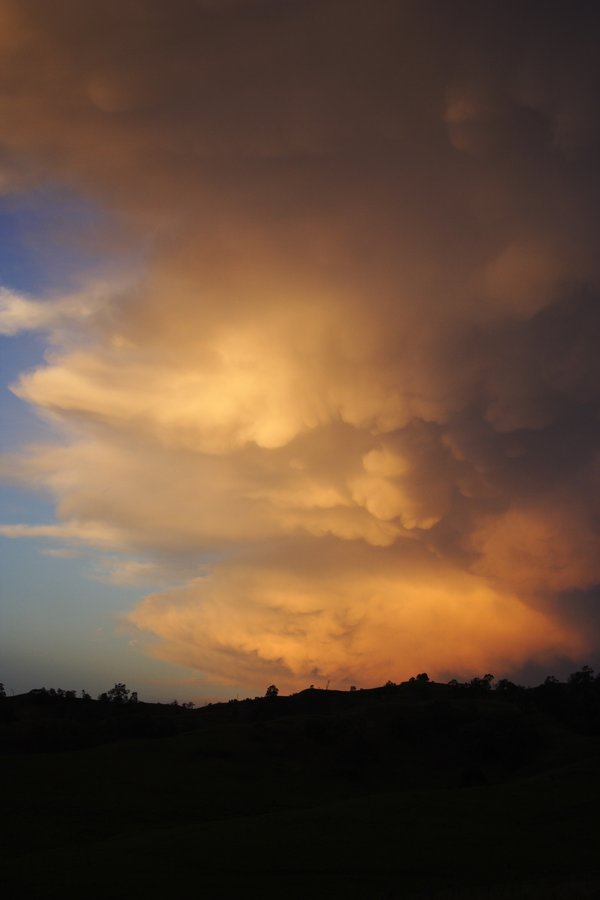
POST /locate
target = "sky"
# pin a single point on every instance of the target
(299, 317)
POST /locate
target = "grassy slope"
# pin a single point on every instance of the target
(255, 809)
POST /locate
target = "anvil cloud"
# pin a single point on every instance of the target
(351, 402)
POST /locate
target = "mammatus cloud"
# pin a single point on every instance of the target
(353, 398)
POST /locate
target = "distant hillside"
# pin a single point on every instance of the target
(416, 790)
(499, 727)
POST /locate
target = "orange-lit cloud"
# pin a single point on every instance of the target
(351, 399)
(355, 623)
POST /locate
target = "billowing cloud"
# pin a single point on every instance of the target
(353, 396)
(300, 621)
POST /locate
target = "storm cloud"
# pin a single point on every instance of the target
(349, 402)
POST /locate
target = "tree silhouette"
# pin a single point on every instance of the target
(118, 694)
(582, 678)
(272, 691)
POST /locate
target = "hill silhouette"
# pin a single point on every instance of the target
(403, 791)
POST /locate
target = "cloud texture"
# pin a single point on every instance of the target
(351, 404)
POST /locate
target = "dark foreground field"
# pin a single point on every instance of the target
(409, 791)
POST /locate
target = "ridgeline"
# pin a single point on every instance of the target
(408, 790)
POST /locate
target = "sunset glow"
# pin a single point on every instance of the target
(321, 374)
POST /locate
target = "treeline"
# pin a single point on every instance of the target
(483, 719)
(57, 719)
(118, 694)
